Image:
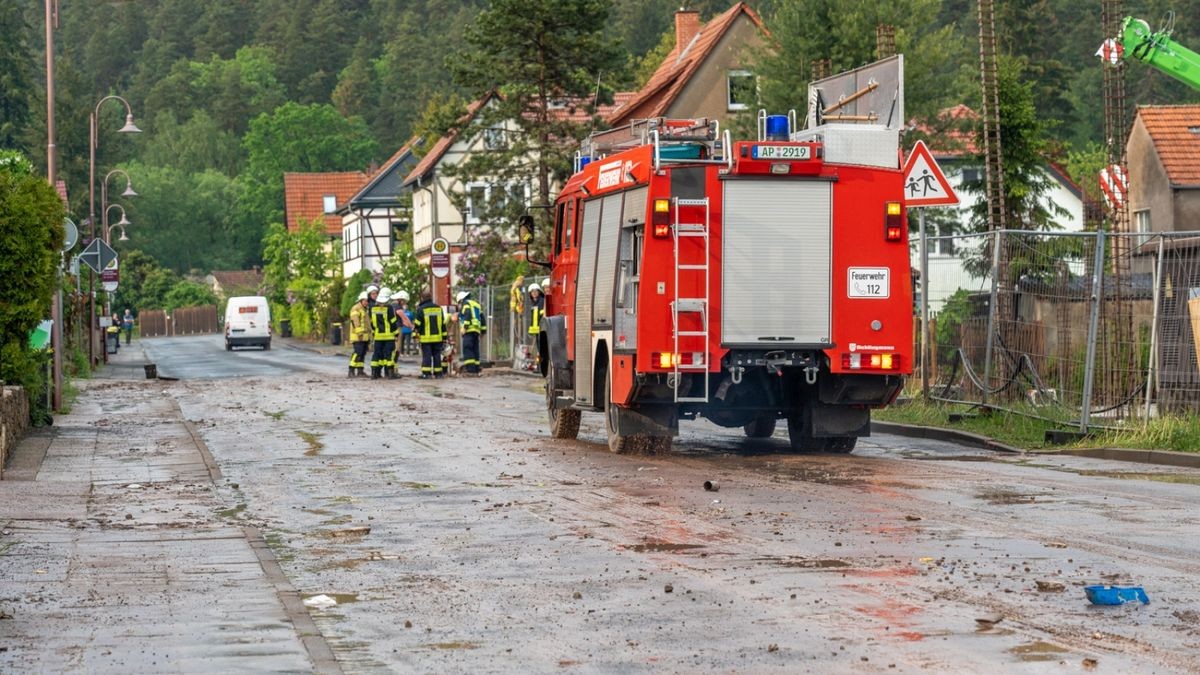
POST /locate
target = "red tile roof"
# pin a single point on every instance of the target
(443, 144)
(238, 279)
(1175, 132)
(668, 81)
(304, 197)
(61, 186)
(955, 127)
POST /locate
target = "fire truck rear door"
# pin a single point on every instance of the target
(585, 283)
(776, 263)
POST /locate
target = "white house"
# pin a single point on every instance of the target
(378, 214)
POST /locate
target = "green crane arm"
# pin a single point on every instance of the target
(1160, 51)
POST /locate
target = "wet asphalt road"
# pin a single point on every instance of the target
(458, 538)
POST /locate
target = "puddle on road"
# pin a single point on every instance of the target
(450, 645)
(1039, 651)
(1000, 497)
(231, 512)
(314, 443)
(660, 547)
(804, 563)
(951, 458)
(342, 598)
(414, 485)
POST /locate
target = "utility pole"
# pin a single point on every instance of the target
(56, 312)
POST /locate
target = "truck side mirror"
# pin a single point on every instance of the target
(525, 227)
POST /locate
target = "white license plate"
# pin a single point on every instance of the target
(782, 152)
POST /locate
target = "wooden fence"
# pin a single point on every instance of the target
(184, 321)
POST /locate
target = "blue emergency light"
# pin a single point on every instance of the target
(778, 128)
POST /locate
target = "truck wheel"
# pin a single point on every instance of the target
(657, 445)
(841, 444)
(800, 433)
(761, 427)
(616, 442)
(564, 423)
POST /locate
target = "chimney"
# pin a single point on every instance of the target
(687, 24)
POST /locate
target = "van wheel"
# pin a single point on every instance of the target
(564, 423)
(616, 442)
(761, 427)
(228, 346)
(267, 347)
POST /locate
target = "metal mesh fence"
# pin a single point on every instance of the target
(1084, 327)
(507, 341)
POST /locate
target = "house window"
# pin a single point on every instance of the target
(330, 202)
(1141, 225)
(493, 139)
(476, 201)
(481, 196)
(742, 88)
(971, 175)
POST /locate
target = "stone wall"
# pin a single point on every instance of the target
(14, 421)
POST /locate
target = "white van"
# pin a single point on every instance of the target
(247, 322)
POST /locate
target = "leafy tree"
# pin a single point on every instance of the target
(196, 144)
(296, 138)
(536, 54)
(288, 256)
(30, 238)
(14, 76)
(137, 267)
(184, 220)
(231, 91)
(188, 294)
(402, 271)
(356, 284)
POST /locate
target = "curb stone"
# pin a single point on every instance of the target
(1186, 460)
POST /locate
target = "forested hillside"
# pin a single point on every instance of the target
(232, 93)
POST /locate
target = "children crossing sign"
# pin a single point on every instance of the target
(924, 182)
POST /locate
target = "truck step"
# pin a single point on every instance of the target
(692, 399)
(690, 304)
(692, 333)
(692, 366)
(690, 266)
(703, 201)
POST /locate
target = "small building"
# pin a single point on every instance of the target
(233, 283)
(315, 197)
(707, 74)
(376, 216)
(1163, 153)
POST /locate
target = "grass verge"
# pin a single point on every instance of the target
(1022, 431)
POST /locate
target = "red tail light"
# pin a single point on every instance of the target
(893, 222)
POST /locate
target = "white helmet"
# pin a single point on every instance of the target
(462, 295)
(372, 289)
(362, 296)
(385, 291)
(403, 295)
(535, 287)
(384, 298)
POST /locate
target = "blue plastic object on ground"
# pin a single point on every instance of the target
(1115, 595)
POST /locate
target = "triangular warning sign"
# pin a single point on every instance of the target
(924, 182)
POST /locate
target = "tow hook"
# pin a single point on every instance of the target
(735, 374)
(810, 375)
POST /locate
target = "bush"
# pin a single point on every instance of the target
(354, 285)
(188, 294)
(301, 318)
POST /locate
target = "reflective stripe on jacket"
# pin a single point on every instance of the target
(383, 322)
(539, 312)
(360, 327)
(429, 322)
(472, 317)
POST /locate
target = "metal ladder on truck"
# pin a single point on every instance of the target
(691, 305)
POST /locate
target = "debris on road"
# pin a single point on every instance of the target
(989, 619)
(320, 602)
(772, 647)
(668, 589)
(711, 486)
(1116, 595)
(912, 518)
(1090, 663)
(1046, 586)
(1055, 544)
(361, 531)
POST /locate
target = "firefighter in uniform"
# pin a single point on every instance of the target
(537, 313)
(383, 329)
(429, 322)
(360, 334)
(474, 324)
(372, 294)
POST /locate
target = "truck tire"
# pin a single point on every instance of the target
(761, 427)
(616, 442)
(800, 433)
(564, 423)
(842, 445)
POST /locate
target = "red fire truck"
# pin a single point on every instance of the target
(742, 282)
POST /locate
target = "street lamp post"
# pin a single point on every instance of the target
(93, 144)
(56, 310)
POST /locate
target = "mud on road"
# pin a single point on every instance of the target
(454, 535)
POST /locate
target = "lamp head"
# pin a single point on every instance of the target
(123, 221)
(129, 192)
(123, 237)
(130, 127)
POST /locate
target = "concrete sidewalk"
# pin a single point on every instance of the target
(117, 555)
